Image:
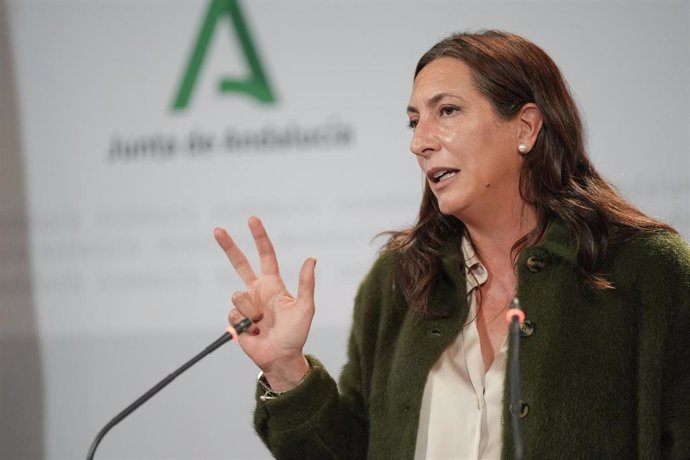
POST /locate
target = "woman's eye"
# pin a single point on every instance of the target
(449, 110)
(412, 124)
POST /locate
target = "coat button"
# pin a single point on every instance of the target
(535, 264)
(523, 409)
(527, 328)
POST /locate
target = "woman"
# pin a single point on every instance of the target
(512, 207)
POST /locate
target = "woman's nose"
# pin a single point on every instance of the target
(424, 142)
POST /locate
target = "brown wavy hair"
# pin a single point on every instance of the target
(557, 176)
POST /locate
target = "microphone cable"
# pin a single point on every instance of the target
(231, 333)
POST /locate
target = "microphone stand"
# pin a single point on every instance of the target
(239, 328)
(515, 317)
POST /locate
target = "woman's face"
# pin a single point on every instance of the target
(467, 152)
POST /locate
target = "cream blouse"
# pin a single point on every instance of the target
(461, 410)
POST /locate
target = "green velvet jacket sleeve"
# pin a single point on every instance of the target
(673, 276)
(653, 278)
(312, 421)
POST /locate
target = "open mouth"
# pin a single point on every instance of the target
(443, 174)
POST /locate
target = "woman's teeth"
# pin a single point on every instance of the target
(443, 175)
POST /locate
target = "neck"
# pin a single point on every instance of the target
(493, 236)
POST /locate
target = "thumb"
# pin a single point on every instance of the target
(305, 288)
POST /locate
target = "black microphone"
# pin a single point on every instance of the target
(233, 332)
(515, 317)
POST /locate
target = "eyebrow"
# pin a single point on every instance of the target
(435, 99)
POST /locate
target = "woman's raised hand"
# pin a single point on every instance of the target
(276, 340)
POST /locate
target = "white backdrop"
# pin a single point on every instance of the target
(125, 281)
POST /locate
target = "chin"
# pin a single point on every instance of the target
(450, 208)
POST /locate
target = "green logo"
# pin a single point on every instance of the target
(255, 85)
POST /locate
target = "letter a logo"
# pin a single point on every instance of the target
(255, 85)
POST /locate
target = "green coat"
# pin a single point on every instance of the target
(605, 373)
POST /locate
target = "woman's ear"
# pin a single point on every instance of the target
(529, 124)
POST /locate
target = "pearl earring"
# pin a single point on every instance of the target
(522, 148)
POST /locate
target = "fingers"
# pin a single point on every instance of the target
(246, 307)
(234, 317)
(235, 255)
(267, 256)
(305, 288)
